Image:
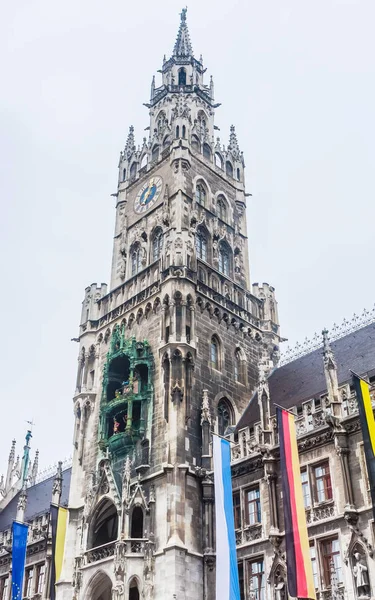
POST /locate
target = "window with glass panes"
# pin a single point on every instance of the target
(241, 580)
(200, 194)
(201, 245)
(256, 579)
(4, 583)
(39, 583)
(222, 208)
(157, 245)
(237, 510)
(305, 488)
(136, 260)
(214, 353)
(28, 587)
(224, 259)
(314, 566)
(323, 485)
(252, 506)
(331, 556)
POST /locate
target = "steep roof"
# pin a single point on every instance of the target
(303, 378)
(38, 500)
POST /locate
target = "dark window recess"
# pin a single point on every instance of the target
(188, 334)
(137, 523)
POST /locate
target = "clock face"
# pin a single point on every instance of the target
(148, 195)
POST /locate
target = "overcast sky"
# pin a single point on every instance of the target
(297, 80)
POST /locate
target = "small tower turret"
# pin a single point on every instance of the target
(57, 485)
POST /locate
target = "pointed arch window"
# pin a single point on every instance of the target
(123, 174)
(229, 168)
(200, 194)
(177, 131)
(137, 523)
(155, 153)
(182, 77)
(207, 151)
(201, 244)
(136, 259)
(184, 131)
(224, 416)
(224, 259)
(239, 367)
(222, 208)
(157, 244)
(215, 353)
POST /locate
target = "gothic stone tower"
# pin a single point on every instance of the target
(167, 354)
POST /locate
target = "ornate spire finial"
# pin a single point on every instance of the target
(233, 146)
(57, 484)
(130, 143)
(12, 453)
(34, 471)
(183, 45)
(26, 459)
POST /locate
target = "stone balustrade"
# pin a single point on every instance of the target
(100, 553)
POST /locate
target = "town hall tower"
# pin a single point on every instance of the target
(171, 350)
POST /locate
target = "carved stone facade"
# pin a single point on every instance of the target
(317, 387)
(168, 352)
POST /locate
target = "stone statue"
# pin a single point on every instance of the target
(360, 573)
(280, 588)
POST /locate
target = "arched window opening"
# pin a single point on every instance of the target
(144, 161)
(161, 121)
(195, 143)
(104, 526)
(222, 208)
(200, 194)
(224, 259)
(133, 591)
(215, 353)
(118, 375)
(224, 416)
(202, 121)
(177, 131)
(157, 244)
(155, 153)
(133, 170)
(136, 259)
(229, 168)
(167, 370)
(178, 314)
(166, 142)
(100, 587)
(218, 161)
(239, 367)
(137, 523)
(238, 174)
(184, 131)
(201, 275)
(201, 244)
(207, 151)
(182, 77)
(123, 174)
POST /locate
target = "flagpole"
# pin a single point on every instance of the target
(359, 376)
(223, 438)
(286, 409)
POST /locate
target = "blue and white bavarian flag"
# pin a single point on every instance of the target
(19, 544)
(227, 585)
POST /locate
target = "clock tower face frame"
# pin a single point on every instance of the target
(148, 195)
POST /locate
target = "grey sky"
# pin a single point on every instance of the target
(297, 80)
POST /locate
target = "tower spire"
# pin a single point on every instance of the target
(183, 47)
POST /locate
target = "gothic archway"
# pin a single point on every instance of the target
(99, 587)
(104, 525)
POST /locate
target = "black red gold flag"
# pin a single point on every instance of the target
(298, 561)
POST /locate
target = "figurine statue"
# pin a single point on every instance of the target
(116, 426)
(360, 572)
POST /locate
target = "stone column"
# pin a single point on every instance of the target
(192, 324)
(342, 449)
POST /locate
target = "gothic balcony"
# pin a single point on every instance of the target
(320, 512)
(100, 553)
(134, 547)
(338, 594)
(249, 534)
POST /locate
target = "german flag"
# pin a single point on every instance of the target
(366, 417)
(298, 561)
(58, 522)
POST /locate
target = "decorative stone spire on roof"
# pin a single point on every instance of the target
(57, 484)
(183, 47)
(130, 143)
(233, 146)
(34, 472)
